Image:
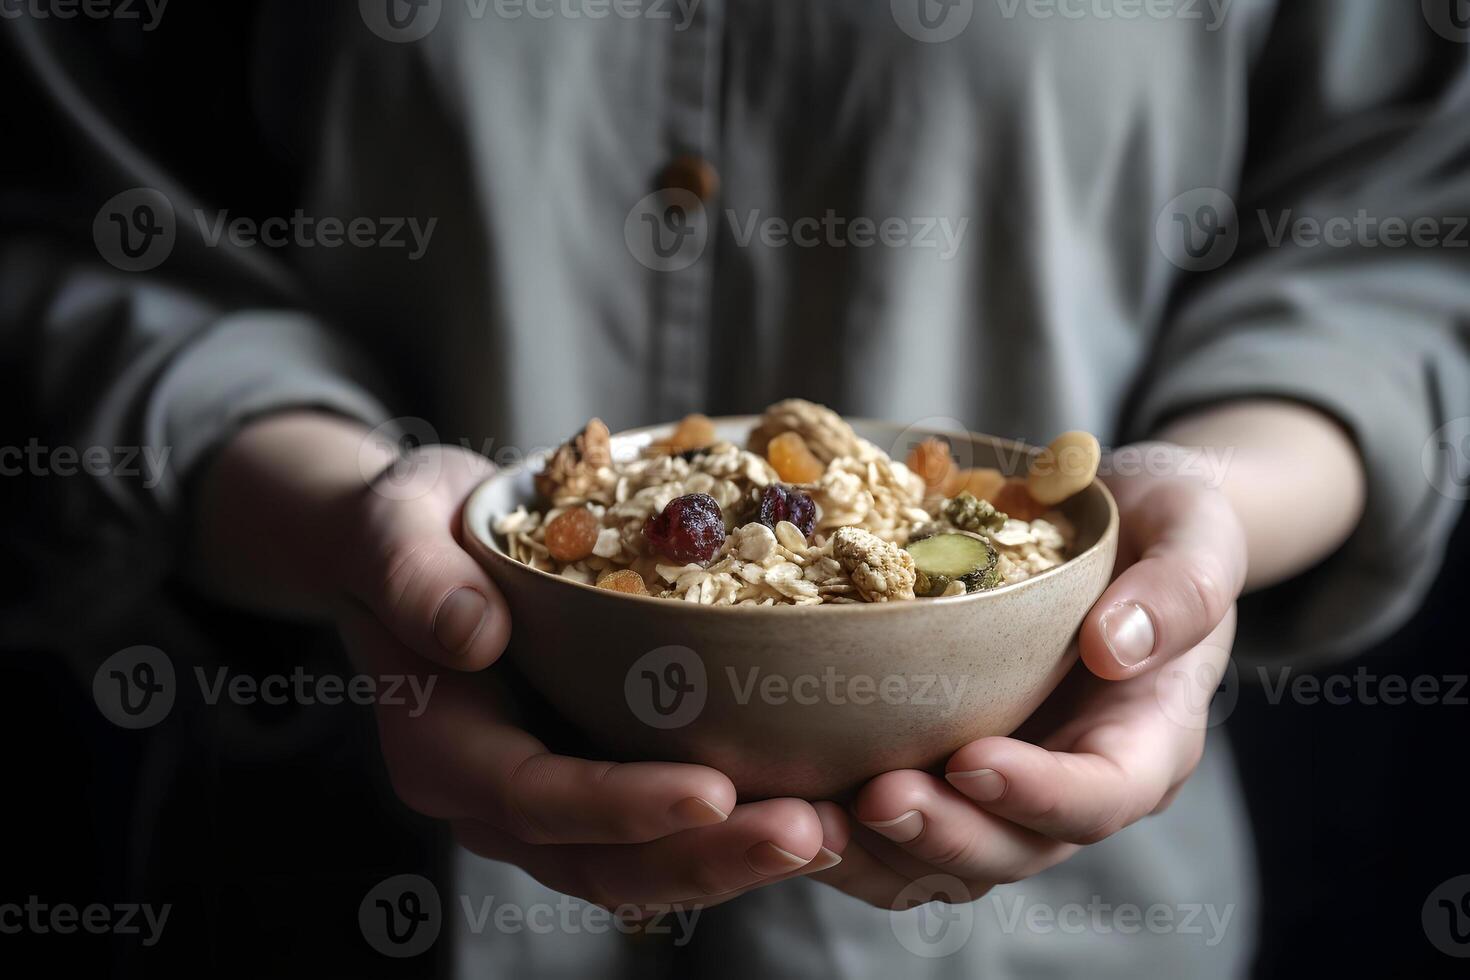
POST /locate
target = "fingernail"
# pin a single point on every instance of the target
(826, 858)
(696, 812)
(768, 860)
(983, 785)
(459, 619)
(1129, 633)
(901, 829)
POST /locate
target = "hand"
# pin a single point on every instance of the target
(1110, 747)
(634, 834)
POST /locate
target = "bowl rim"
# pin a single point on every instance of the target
(486, 543)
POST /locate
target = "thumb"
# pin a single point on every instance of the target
(419, 582)
(1191, 568)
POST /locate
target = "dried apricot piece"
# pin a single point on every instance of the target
(623, 580)
(793, 461)
(981, 482)
(1065, 468)
(693, 432)
(1014, 500)
(931, 459)
(572, 534)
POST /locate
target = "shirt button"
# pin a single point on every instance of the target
(693, 174)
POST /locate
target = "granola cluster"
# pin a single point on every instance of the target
(807, 513)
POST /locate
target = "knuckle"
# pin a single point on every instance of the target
(1208, 594)
(706, 881)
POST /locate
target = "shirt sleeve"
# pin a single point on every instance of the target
(1359, 139)
(136, 375)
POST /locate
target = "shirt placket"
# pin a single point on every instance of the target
(692, 134)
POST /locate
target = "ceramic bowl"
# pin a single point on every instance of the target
(806, 701)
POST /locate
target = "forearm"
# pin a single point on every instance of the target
(272, 509)
(1292, 474)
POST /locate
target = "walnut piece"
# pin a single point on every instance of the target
(823, 430)
(880, 570)
(574, 465)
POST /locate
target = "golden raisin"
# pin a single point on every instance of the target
(982, 483)
(623, 580)
(694, 432)
(571, 534)
(931, 460)
(1014, 500)
(793, 461)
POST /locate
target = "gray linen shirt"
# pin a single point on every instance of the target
(1016, 217)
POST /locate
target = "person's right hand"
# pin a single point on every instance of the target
(617, 834)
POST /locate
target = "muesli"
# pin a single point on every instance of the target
(806, 513)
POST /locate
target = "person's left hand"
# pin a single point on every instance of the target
(1110, 747)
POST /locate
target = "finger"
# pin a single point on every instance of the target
(422, 585)
(459, 759)
(836, 838)
(1191, 568)
(759, 844)
(1080, 797)
(944, 830)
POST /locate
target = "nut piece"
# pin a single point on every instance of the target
(573, 467)
(1065, 468)
(823, 430)
(881, 571)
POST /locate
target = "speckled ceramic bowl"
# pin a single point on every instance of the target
(797, 701)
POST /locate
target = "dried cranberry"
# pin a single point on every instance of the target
(781, 503)
(690, 529)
